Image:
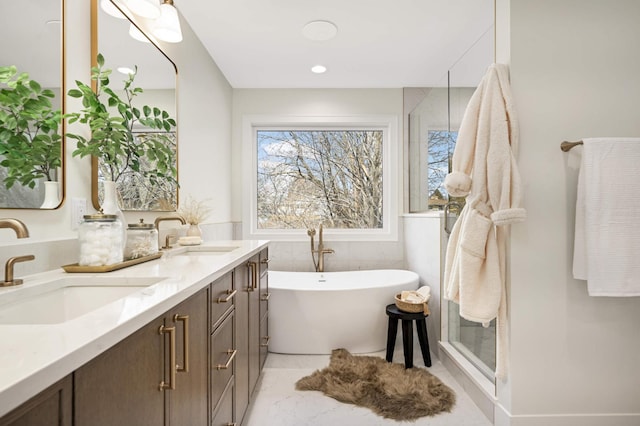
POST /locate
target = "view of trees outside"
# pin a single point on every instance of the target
(440, 148)
(310, 176)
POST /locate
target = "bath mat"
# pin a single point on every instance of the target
(388, 389)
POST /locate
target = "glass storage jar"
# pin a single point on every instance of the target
(142, 240)
(100, 237)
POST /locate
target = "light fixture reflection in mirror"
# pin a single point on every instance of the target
(156, 75)
(32, 171)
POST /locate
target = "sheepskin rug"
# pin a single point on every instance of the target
(388, 389)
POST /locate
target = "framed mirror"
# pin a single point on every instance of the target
(32, 168)
(127, 51)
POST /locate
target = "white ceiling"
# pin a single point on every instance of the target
(380, 43)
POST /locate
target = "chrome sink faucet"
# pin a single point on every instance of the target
(167, 244)
(320, 251)
(21, 232)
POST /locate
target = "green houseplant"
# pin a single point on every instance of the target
(30, 145)
(111, 119)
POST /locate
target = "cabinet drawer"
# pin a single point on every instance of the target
(222, 297)
(224, 415)
(222, 358)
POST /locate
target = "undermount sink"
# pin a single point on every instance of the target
(66, 298)
(207, 250)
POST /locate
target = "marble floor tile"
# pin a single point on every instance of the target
(277, 403)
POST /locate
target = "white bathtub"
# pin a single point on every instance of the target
(314, 313)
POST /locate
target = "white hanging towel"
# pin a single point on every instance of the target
(607, 234)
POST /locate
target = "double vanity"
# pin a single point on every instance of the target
(180, 340)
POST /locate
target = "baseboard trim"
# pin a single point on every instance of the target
(503, 418)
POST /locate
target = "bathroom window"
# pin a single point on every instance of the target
(334, 173)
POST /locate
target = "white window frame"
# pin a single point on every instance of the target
(391, 193)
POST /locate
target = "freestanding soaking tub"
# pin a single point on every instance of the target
(316, 312)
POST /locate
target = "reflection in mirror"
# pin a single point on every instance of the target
(435, 117)
(31, 104)
(125, 49)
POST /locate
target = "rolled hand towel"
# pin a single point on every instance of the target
(425, 291)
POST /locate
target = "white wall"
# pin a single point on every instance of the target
(204, 132)
(575, 72)
(296, 256)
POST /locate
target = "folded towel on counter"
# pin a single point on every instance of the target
(607, 226)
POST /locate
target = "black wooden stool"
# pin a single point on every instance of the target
(407, 335)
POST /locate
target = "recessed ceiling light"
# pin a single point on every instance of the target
(318, 69)
(320, 30)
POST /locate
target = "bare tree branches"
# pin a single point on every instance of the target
(308, 176)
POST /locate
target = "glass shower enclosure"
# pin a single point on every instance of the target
(433, 129)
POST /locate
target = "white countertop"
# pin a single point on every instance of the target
(33, 357)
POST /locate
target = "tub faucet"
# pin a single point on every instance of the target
(21, 232)
(163, 219)
(321, 251)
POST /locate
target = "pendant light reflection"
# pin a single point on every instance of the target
(136, 34)
(145, 8)
(167, 26)
(111, 9)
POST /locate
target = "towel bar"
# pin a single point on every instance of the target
(566, 145)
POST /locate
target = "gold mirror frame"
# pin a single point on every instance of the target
(95, 178)
(61, 174)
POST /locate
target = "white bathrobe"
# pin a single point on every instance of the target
(485, 171)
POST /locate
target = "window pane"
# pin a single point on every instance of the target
(308, 176)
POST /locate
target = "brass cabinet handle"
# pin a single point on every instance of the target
(232, 355)
(265, 297)
(171, 331)
(185, 341)
(230, 294)
(265, 261)
(254, 275)
(266, 343)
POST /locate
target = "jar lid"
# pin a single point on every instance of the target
(100, 217)
(141, 225)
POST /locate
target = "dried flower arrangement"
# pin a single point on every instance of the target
(193, 211)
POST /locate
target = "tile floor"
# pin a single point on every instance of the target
(277, 403)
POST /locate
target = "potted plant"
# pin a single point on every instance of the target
(30, 144)
(111, 119)
(194, 212)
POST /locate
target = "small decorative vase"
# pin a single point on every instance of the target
(51, 195)
(110, 205)
(194, 230)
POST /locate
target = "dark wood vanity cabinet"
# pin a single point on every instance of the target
(251, 329)
(264, 306)
(222, 350)
(51, 407)
(156, 376)
(196, 365)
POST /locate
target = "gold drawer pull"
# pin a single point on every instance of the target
(266, 343)
(230, 294)
(185, 340)
(254, 276)
(265, 261)
(172, 357)
(265, 297)
(232, 355)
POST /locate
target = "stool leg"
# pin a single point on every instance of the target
(423, 338)
(407, 343)
(392, 331)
